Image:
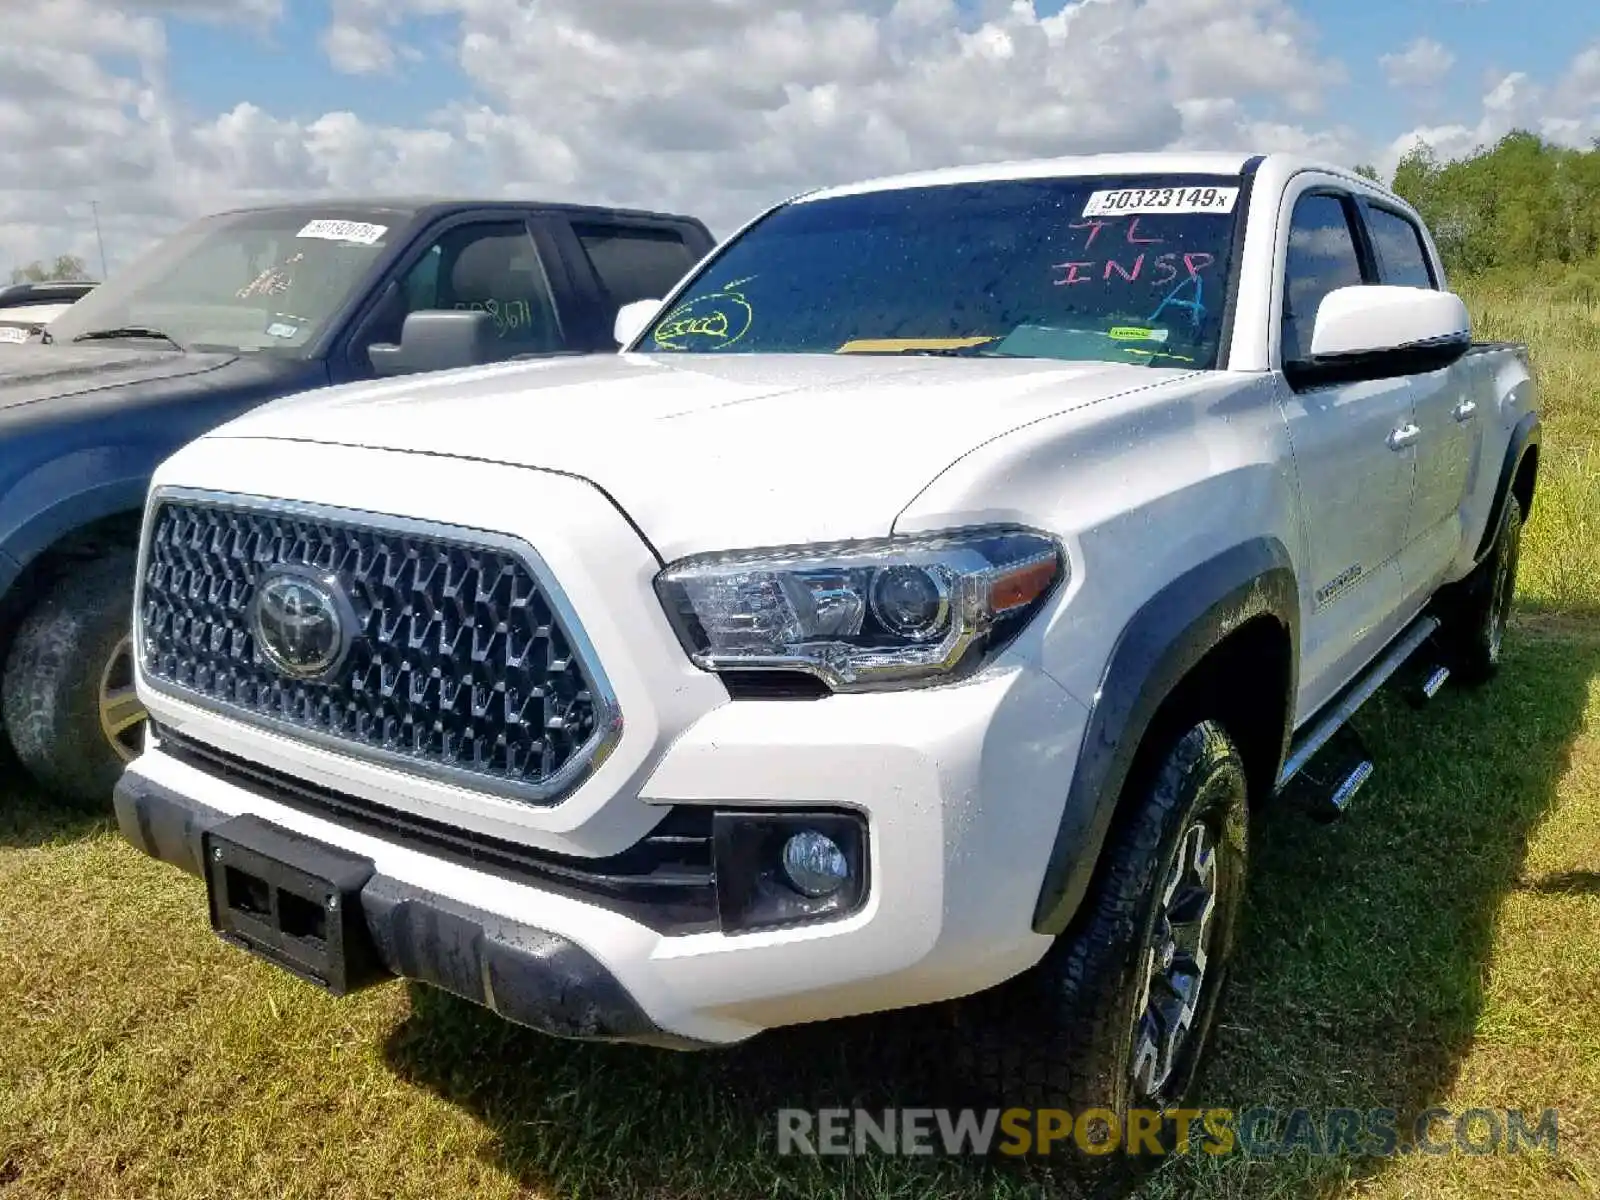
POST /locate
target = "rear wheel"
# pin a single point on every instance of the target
(68, 697)
(1475, 631)
(1116, 1015)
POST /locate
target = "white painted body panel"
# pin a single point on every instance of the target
(18, 320)
(612, 466)
(713, 454)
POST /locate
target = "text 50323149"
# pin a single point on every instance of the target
(1127, 202)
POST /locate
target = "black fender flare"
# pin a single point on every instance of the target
(1525, 435)
(1166, 638)
(59, 523)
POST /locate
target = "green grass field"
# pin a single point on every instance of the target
(1439, 947)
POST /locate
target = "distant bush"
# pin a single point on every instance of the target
(1523, 207)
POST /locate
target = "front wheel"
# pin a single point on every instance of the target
(68, 696)
(1116, 1015)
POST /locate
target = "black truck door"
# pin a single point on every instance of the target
(502, 261)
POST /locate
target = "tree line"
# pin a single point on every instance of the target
(1523, 207)
(64, 268)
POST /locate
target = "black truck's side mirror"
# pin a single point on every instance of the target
(436, 340)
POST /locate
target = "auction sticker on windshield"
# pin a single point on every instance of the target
(1128, 202)
(358, 232)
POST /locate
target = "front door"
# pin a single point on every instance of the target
(492, 264)
(1354, 461)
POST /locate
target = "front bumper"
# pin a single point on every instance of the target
(960, 788)
(527, 975)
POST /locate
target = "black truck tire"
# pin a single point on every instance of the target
(67, 694)
(1064, 1034)
(1475, 625)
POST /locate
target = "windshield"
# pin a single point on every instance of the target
(1112, 269)
(255, 281)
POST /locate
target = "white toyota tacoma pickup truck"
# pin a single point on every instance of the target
(911, 612)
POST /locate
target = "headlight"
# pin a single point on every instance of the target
(860, 615)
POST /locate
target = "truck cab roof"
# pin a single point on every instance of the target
(431, 206)
(54, 291)
(1166, 162)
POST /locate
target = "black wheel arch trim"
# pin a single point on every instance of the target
(1165, 639)
(1525, 435)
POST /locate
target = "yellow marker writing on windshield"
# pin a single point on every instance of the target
(1156, 353)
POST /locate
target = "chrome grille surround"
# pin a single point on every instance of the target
(467, 665)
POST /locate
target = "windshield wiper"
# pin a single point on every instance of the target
(980, 351)
(949, 351)
(127, 331)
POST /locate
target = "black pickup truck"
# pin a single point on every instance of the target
(233, 311)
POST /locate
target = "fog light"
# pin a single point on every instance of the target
(815, 864)
(781, 869)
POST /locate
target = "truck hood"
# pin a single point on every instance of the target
(35, 372)
(710, 453)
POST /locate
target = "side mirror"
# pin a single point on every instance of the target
(633, 319)
(437, 340)
(1378, 331)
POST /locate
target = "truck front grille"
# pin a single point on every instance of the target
(459, 661)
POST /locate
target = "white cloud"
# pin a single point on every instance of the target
(712, 106)
(211, 10)
(653, 112)
(1422, 64)
(355, 50)
(1567, 113)
(716, 107)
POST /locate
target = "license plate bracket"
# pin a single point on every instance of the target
(293, 901)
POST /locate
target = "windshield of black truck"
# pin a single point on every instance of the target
(1122, 270)
(256, 281)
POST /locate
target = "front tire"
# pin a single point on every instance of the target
(1116, 1015)
(67, 696)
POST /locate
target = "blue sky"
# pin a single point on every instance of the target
(1489, 39)
(215, 66)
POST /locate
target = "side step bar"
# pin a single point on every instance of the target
(1336, 715)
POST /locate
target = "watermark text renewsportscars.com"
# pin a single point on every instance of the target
(1260, 1132)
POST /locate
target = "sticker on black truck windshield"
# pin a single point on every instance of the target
(1127, 202)
(359, 232)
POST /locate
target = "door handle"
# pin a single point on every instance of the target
(1404, 436)
(1464, 410)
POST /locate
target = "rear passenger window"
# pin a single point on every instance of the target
(635, 263)
(1322, 258)
(1401, 257)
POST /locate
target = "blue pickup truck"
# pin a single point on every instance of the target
(233, 311)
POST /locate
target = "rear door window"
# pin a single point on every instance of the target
(1398, 243)
(634, 262)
